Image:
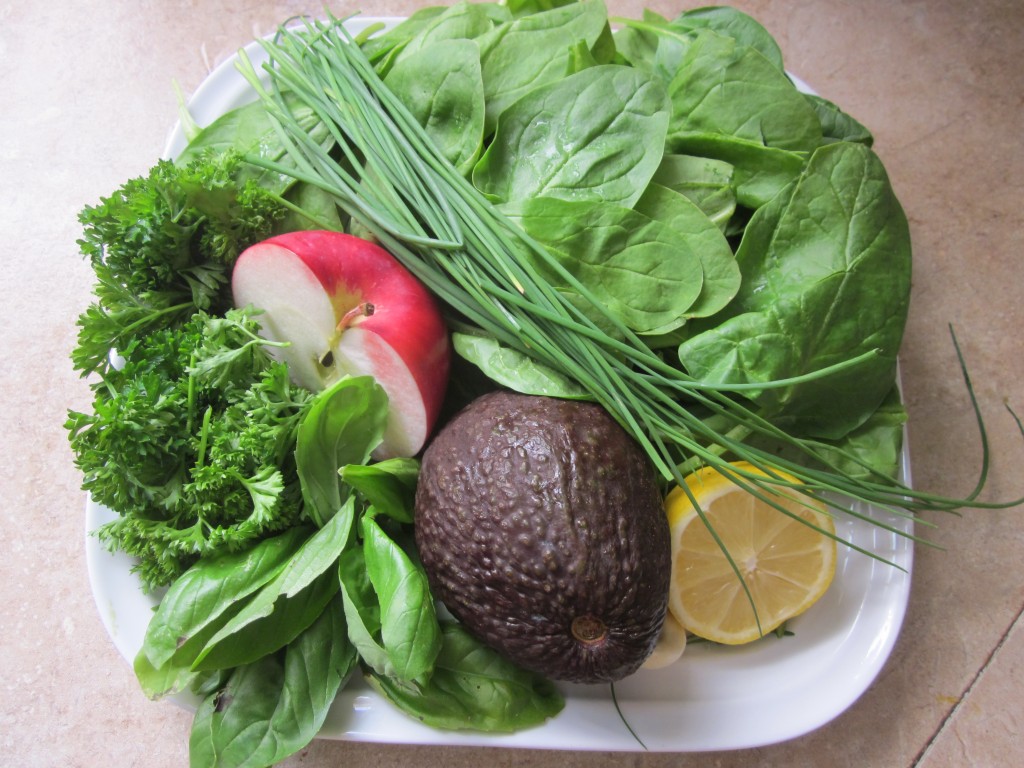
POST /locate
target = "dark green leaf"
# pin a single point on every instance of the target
(199, 603)
(285, 606)
(362, 611)
(597, 135)
(474, 687)
(826, 278)
(342, 426)
(389, 486)
(274, 707)
(408, 622)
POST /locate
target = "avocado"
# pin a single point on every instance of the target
(542, 530)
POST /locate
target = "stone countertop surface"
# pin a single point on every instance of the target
(88, 103)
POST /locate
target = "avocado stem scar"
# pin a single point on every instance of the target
(589, 630)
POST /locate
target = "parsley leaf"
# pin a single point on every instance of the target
(191, 440)
(162, 247)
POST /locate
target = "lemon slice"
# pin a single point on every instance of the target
(786, 564)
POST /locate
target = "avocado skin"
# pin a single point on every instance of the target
(532, 513)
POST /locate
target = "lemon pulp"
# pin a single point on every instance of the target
(786, 564)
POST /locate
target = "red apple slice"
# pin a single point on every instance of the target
(347, 306)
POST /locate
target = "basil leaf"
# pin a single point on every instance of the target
(274, 707)
(362, 611)
(285, 606)
(342, 426)
(408, 621)
(473, 687)
(389, 486)
(199, 603)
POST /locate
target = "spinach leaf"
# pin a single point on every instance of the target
(733, 23)
(458, 23)
(721, 273)
(519, 8)
(443, 88)
(836, 125)
(642, 269)
(317, 209)
(473, 687)
(342, 426)
(533, 50)
(275, 706)
(384, 47)
(874, 448)
(759, 172)
(646, 45)
(866, 452)
(705, 181)
(596, 135)
(286, 605)
(725, 88)
(826, 278)
(389, 486)
(199, 603)
(515, 370)
(249, 130)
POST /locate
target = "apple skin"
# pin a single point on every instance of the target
(348, 307)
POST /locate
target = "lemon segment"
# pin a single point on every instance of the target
(785, 563)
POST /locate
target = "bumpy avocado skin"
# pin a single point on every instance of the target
(536, 517)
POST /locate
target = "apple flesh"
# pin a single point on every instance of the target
(348, 307)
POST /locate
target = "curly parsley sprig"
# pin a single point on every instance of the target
(191, 433)
(191, 441)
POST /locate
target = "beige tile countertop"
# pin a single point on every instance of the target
(88, 102)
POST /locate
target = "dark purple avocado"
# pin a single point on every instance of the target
(541, 527)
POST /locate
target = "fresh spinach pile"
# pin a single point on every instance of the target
(743, 230)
